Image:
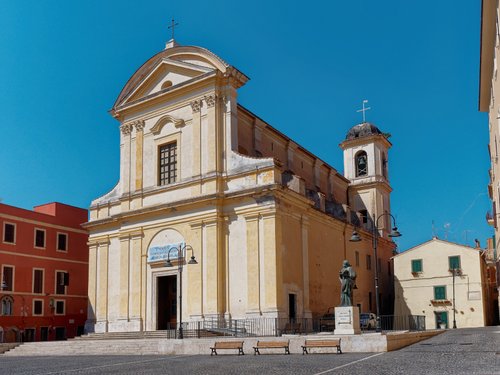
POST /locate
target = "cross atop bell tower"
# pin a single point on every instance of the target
(364, 110)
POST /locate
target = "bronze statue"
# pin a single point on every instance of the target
(347, 277)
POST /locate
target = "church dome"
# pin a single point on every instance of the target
(364, 129)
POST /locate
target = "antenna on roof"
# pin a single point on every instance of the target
(446, 228)
(434, 235)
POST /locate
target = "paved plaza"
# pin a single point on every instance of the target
(461, 351)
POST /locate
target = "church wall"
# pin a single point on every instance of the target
(340, 190)
(294, 272)
(326, 249)
(246, 136)
(255, 135)
(314, 247)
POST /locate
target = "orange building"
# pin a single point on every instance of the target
(44, 272)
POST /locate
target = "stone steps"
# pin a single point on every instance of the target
(373, 342)
(141, 335)
(5, 347)
(88, 347)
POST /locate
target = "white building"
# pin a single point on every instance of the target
(425, 284)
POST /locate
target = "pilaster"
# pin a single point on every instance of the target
(92, 289)
(211, 268)
(304, 223)
(139, 144)
(273, 266)
(196, 125)
(195, 283)
(213, 134)
(102, 289)
(136, 277)
(125, 160)
(124, 277)
(253, 265)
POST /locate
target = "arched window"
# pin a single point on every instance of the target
(384, 165)
(361, 160)
(7, 305)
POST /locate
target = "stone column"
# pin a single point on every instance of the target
(92, 289)
(101, 324)
(253, 265)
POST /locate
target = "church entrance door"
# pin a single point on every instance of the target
(167, 302)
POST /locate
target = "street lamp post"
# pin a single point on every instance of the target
(454, 270)
(375, 233)
(181, 259)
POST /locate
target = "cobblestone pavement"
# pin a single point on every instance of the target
(461, 351)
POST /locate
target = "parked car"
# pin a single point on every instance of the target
(367, 320)
(327, 321)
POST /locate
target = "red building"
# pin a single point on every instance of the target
(44, 272)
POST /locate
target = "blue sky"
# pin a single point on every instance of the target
(311, 64)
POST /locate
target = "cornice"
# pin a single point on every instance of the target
(182, 89)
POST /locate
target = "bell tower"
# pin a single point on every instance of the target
(366, 166)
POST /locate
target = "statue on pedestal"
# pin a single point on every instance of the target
(347, 277)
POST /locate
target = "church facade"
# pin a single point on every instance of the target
(267, 222)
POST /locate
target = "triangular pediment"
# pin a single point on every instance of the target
(164, 76)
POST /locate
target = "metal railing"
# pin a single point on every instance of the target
(262, 327)
(402, 323)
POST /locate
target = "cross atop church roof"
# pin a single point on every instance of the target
(171, 43)
(172, 26)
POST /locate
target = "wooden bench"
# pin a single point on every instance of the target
(272, 345)
(227, 345)
(332, 343)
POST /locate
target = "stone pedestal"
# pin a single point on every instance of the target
(347, 320)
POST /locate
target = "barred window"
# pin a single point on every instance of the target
(167, 163)
(62, 281)
(37, 281)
